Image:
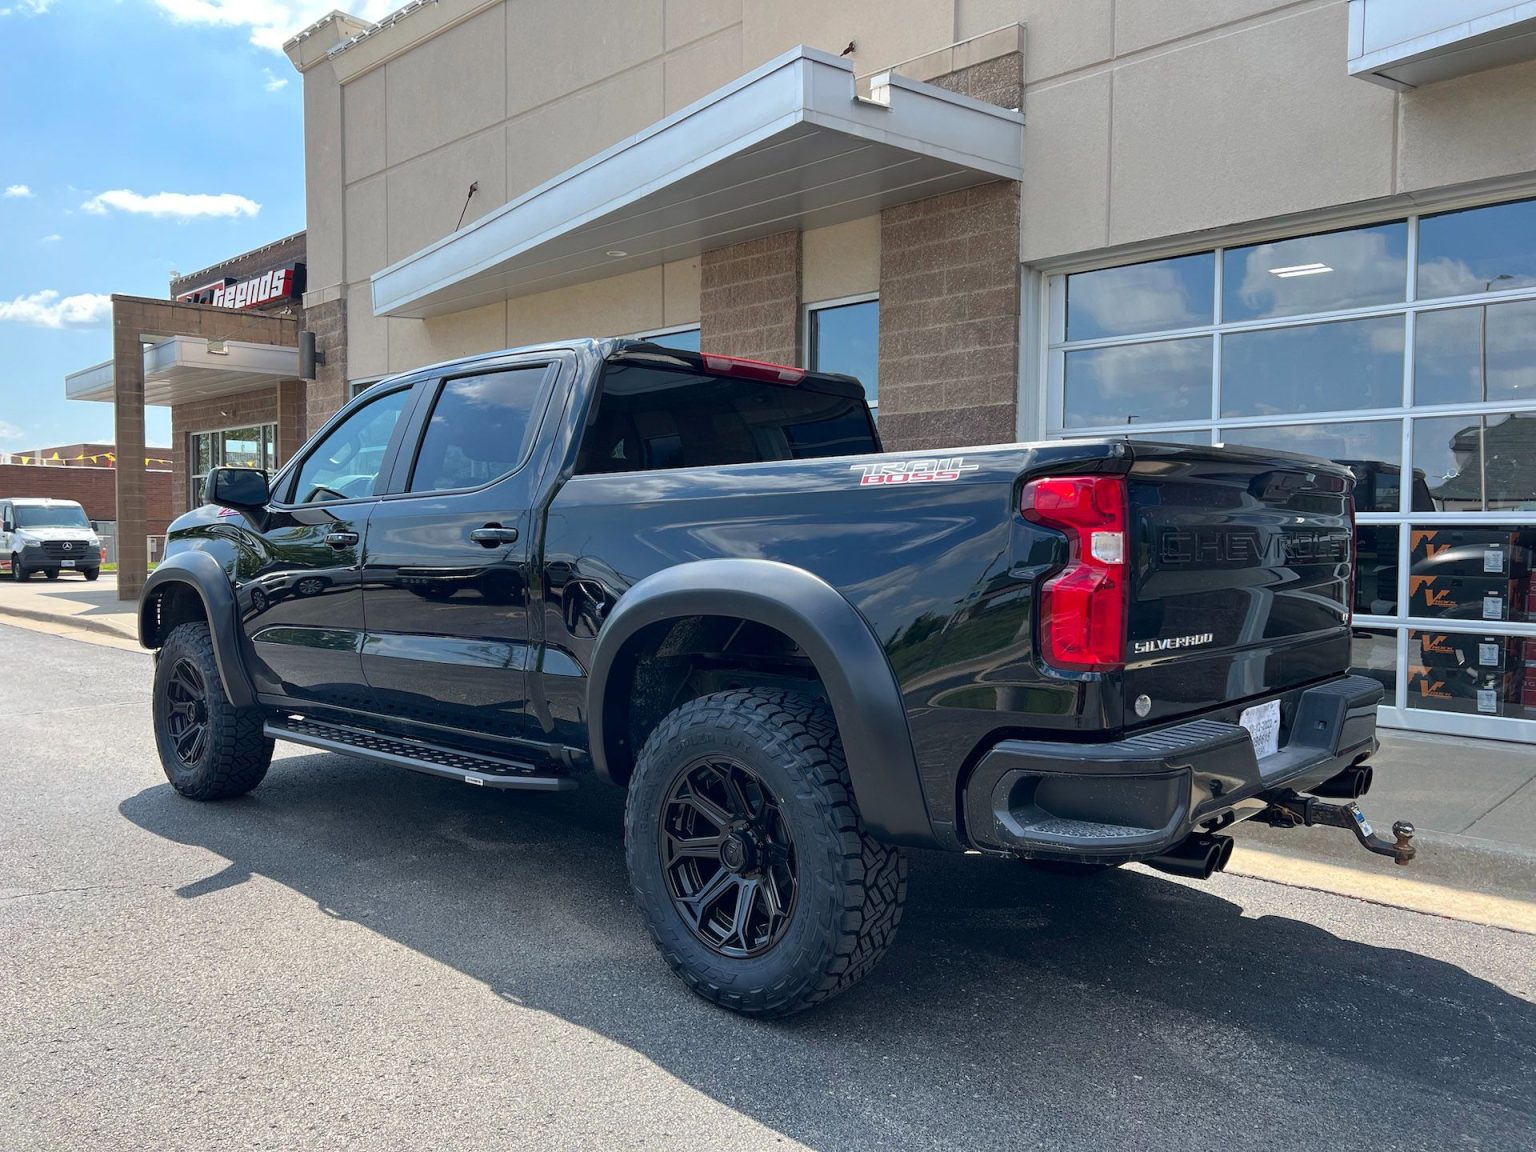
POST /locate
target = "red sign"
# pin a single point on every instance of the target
(278, 284)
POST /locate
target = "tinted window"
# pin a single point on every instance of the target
(345, 465)
(1478, 464)
(650, 418)
(1149, 297)
(1139, 383)
(1313, 368)
(55, 516)
(846, 339)
(688, 341)
(1353, 269)
(479, 429)
(1478, 250)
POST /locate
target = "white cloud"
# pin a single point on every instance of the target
(9, 431)
(274, 83)
(51, 238)
(182, 205)
(271, 22)
(26, 7)
(17, 192)
(47, 309)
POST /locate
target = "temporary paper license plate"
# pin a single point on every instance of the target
(1263, 724)
(66, 563)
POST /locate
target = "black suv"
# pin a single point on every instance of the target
(698, 578)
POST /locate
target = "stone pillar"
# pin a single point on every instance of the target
(128, 422)
(749, 299)
(327, 392)
(291, 415)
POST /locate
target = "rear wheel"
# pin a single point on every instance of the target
(210, 749)
(747, 856)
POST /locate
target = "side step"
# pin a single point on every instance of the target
(417, 755)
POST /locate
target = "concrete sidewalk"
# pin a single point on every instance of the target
(1473, 801)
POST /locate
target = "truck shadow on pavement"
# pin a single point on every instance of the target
(1013, 1005)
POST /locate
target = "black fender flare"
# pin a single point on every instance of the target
(861, 688)
(206, 576)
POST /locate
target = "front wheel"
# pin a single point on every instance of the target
(747, 856)
(210, 749)
(52, 573)
(18, 572)
(90, 573)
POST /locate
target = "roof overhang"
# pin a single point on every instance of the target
(791, 145)
(1404, 44)
(183, 368)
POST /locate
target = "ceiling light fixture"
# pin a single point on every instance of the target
(1290, 270)
(616, 252)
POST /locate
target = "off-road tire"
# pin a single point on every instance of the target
(235, 755)
(849, 887)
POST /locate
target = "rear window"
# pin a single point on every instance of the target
(650, 418)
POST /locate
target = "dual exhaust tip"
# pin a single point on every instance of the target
(1198, 857)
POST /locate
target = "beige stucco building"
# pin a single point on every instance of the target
(1294, 224)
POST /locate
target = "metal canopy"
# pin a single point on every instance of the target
(184, 368)
(790, 145)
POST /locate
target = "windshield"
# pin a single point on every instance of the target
(51, 516)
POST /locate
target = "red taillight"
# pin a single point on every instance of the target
(753, 369)
(1082, 608)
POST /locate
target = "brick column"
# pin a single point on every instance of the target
(949, 298)
(749, 299)
(291, 415)
(327, 392)
(128, 424)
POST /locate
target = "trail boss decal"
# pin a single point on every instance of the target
(1170, 643)
(914, 471)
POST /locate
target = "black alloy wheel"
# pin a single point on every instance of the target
(186, 720)
(728, 858)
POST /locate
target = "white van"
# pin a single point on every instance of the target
(48, 536)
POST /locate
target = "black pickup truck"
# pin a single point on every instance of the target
(699, 578)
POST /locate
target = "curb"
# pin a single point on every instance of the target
(81, 623)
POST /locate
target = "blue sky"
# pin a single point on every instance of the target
(136, 137)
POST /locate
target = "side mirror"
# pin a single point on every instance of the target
(243, 489)
(7, 527)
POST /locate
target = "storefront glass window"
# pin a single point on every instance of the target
(1313, 368)
(1151, 297)
(1126, 383)
(1473, 355)
(1339, 345)
(846, 338)
(1336, 270)
(1478, 250)
(251, 447)
(687, 339)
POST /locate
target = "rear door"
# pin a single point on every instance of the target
(447, 564)
(302, 603)
(1241, 577)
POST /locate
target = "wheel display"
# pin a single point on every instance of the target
(747, 856)
(210, 750)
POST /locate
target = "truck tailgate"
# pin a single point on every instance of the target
(1240, 577)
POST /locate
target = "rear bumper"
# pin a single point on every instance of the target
(1137, 797)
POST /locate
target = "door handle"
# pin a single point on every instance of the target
(494, 536)
(340, 540)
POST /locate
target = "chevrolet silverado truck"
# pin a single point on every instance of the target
(700, 579)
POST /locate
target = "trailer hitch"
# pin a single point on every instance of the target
(1288, 809)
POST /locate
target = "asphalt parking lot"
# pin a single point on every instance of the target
(354, 956)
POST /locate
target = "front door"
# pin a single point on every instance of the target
(301, 596)
(446, 591)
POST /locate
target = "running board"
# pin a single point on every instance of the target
(417, 755)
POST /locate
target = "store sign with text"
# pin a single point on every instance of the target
(286, 283)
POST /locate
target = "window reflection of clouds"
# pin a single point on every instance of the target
(1313, 368)
(1168, 380)
(1164, 294)
(1366, 266)
(1465, 252)
(1366, 442)
(1451, 348)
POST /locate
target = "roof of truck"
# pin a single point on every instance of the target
(44, 501)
